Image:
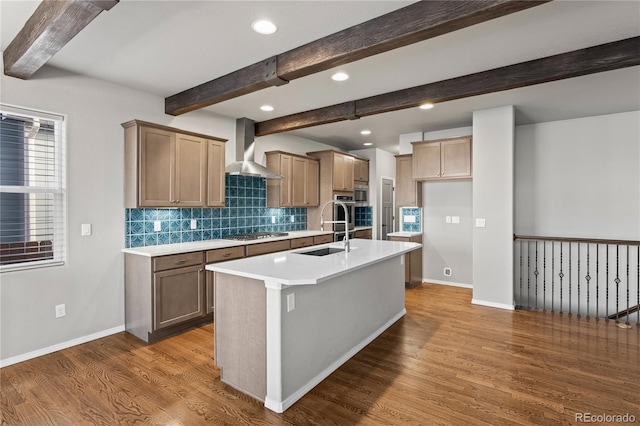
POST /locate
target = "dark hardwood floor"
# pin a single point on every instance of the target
(446, 362)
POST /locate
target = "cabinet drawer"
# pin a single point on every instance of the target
(363, 233)
(301, 242)
(264, 248)
(223, 254)
(177, 261)
(322, 239)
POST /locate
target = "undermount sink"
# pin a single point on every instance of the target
(323, 251)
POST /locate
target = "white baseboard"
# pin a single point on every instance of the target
(449, 283)
(60, 346)
(281, 406)
(493, 304)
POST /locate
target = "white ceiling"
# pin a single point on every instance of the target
(164, 47)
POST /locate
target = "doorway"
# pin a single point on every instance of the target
(386, 209)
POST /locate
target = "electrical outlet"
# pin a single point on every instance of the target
(291, 302)
(409, 219)
(481, 223)
(157, 227)
(293, 218)
(273, 219)
(447, 272)
(60, 311)
(194, 224)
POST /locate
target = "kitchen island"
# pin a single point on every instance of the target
(285, 321)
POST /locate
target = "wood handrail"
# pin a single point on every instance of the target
(577, 240)
(625, 312)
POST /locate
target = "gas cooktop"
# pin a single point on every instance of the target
(256, 236)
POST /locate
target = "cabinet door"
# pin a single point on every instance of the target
(190, 171)
(348, 174)
(408, 191)
(361, 170)
(455, 158)
(178, 296)
(298, 184)
(156, 167)
(209, 299)
(286, 170)
(215, 173)
(313, 183)
(426, 161)
(339, 172)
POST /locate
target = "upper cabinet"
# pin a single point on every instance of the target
(442, 159)
(408, 190)
(336, 170)
(361, 170)
(167, 167)
(299, 186)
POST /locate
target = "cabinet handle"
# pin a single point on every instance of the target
(180, 262)
(226, 255)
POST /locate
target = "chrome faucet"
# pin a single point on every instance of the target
(347, 247)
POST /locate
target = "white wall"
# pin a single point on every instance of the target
(288, 143)
(579, 178)
(91, 284)
(493, 145)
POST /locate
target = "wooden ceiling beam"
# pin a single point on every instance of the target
(416, 22)
(53, 24)
(591, 60)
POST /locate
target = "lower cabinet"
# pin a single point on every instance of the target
(365, 234)
(178, 295)
(412, 261)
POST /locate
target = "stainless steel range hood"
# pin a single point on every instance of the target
(245, 151)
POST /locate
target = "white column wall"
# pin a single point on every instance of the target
(493, 170)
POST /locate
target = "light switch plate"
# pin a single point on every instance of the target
(455, 219)
(291, 302)
(157, 227)
(273, 219)
(447, 219)
(293, 218)
(86, 229)
(194, 224)
(480, 223)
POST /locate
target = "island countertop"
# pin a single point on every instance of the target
(294, 268)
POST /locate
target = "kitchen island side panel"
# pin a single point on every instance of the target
(240, 333)
(332, 318)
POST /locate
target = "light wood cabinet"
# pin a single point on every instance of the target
(408, 191)
(299, 186)
(365, 234)
(412, 261)
(361, 170)
(218, 255)
(164, 294)
(215, 173)
(343, 172)
(442, 159)
(167, 167)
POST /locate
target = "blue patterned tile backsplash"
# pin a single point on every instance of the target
(364, 216)
(245, 211)
(412, 211)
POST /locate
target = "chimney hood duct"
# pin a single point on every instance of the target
(245, 151)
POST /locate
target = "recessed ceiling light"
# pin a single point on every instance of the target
(262, 26)
(266, 108)
(365, 132)
(340, 76)
(426, 106)
(367, 143)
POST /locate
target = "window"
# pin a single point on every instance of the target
(32, 193)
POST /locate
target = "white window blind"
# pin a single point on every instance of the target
(32, 193)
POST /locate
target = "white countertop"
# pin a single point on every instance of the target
(403, 234)
(360, 228)
(166, 249)
(293, 268)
